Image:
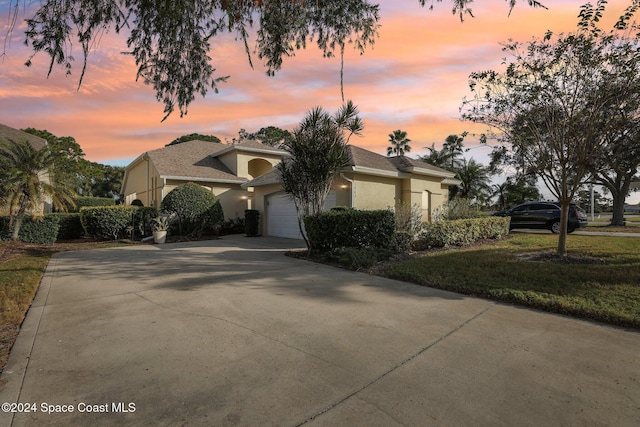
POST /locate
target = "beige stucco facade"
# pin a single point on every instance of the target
(368, 192)
(146, 183)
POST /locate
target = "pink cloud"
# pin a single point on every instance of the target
(413, 79)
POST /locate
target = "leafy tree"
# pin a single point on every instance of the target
(192, 137)
(399, 143)
(107, 181)
(171, 40)
(618, 158)
(317, 152)
(29, 176)
(548, 106)
(516, 190)
(272, 135)
(73, 169)
(600, 202)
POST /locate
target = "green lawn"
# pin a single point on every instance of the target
(603, 285)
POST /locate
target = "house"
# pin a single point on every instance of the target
(221, 168)
(10, 135)
(368, 181)
(243, 176)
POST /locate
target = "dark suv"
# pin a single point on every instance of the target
(544, 215)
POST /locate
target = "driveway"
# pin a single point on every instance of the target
(232, 332)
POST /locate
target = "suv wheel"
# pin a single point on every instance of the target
(555, 227)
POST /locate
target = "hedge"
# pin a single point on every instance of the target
(70, 226)
(82, 202)
(460, 232)
(350, 228)
(43, 230)
(107, 222)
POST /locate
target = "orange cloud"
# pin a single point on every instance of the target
(413, 79)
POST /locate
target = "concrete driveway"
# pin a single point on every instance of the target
(232, 332)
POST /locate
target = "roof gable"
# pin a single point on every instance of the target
(192, 160)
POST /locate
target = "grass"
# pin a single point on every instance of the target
(602, 283)
(21, 269)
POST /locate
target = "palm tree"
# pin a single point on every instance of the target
(399, 143)
(442, 158)
(29, 178)
(453, 144)
(475, 180)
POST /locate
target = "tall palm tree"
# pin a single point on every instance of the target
(453, 144)
(28, 177)
(399, 143)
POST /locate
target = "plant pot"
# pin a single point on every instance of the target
(159, 236)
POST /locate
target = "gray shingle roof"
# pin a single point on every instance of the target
(192, 159)
(368, 159)
(405, 164)
(10, 134)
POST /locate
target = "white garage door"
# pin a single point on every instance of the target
(282, 216)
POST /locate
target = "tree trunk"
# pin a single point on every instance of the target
(618, 209)
(17, 223)
(564, 219)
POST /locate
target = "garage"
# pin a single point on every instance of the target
(282, 218)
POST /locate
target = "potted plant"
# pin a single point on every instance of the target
(160, 227)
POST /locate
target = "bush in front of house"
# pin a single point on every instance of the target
(357, 258)
(194, 208)
(460, 232)
(233, 226)
(83, 201)
(39, 230)
(456, 209)
(143, 220)
(70, 226)
(350, 228)
(108, 222)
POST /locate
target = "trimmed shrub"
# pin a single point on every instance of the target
(461, 232)
(358, 258)
(193, 207)
(252, 222)
(456, 209)
(350, 228)
(233, 226)
(82, 202)
(41, 230)
(107, 222)
(70, 226)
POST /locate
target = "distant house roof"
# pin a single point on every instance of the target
(368, 162)
(10, 134)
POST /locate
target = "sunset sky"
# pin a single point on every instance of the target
(413, 79)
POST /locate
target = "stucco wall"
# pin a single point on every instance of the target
(143, 183)
(238, 161)
(375, 192)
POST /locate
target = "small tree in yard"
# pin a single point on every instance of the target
(28, 176)
(317, 152)
(549, 105)
(196, 209)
